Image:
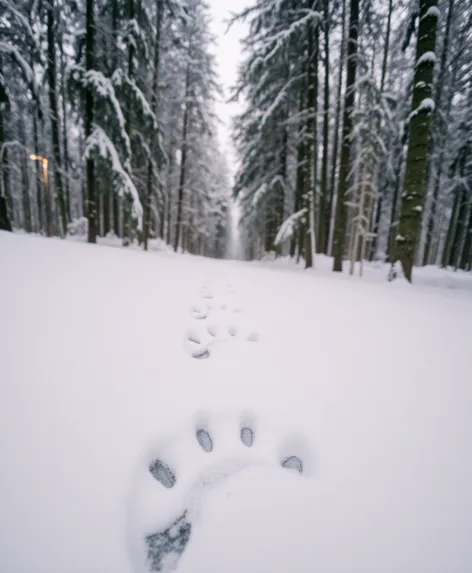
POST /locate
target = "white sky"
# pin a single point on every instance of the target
(228, 56)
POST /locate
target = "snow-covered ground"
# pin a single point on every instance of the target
(227, 416)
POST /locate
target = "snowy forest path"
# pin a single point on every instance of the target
(94, 370)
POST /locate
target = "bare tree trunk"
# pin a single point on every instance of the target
(115, 205)
(349, 99)
(169, 196)
(127, 200)
(441, 128)
(37, 171)
(323, 223)
(65, 142)
(357, 223)
(5, 198)
(462, 239)
(5, 220)
(310, 163)
(466, 261)
(373, 194)
(90, 166)
(24, 174)
(370, 208)
(56, 148)
(183, 160)
(154, 107)
(335, 148)
(452, 230)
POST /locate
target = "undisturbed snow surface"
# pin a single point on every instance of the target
(367, 383)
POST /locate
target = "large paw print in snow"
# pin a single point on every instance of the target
(168, 495)
(221, 320)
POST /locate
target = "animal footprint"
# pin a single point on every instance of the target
(206, 292)
(195, 346)
(200, 312)
(168, 492)
(198, 344)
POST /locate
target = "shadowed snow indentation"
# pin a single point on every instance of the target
(293, 463)
(247, 436)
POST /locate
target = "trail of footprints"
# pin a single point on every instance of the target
(203, 460)
(199, 340)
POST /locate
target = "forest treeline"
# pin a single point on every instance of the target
(107, 122)
(355, 139)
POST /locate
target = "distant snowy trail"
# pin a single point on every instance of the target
(111, 430)
(220, 319)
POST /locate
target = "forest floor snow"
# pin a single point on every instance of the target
(170, 412)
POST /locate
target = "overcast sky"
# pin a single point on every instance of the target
(228, 55)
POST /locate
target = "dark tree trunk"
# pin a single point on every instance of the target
(420, 121)
(280, 194)
(463, 228)
(37, 171)
(89, 63)
(116, 215)
(378, 206)
(314, 128)
(5, 199)
(335, 148)
(323, 223)
(440, 126)
(154, 107)
(349, 100)
(182, 163)
(5, 221)
(466, 259)
(106, 210)
(5, 224)
(297, 239)
(432, 215)
(56, 148)
(115, 203)
(452, 231)
(310, 163)
(65, 142)
(127, 203)
(170, 178)
(24, 174)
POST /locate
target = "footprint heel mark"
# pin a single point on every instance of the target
(167, 546)
(210, 463)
